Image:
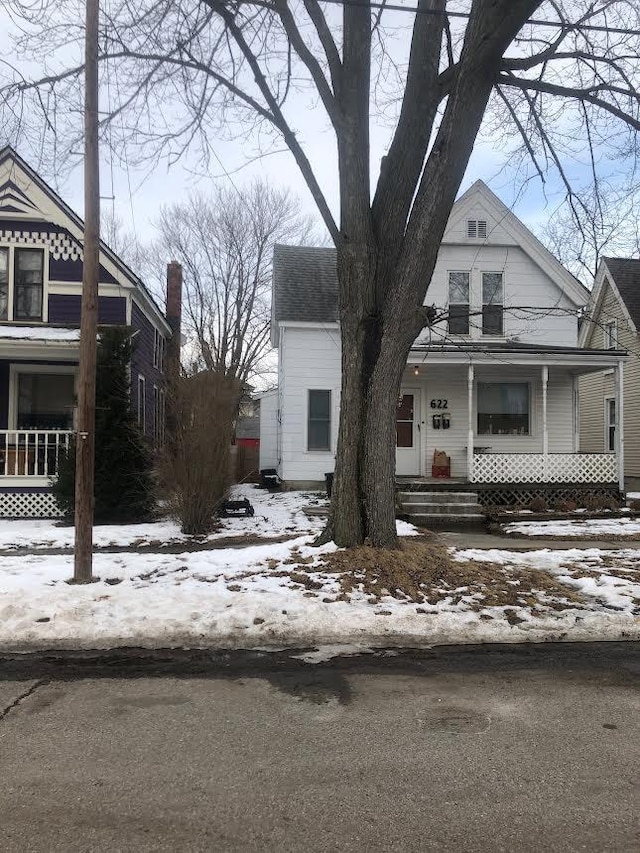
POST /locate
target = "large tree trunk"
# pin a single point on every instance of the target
(383, 273)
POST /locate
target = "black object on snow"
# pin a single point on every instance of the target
(233, 509)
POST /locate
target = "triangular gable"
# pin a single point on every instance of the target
(602, 281)
(26, 190)
(504, 228)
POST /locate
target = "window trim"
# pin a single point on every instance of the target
(141, 415)
(15, 369)
(450, 303)
(608, 425)
(11, 249)
(327, 449)
(530, 412)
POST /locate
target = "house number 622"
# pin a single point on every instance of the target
(439, 404)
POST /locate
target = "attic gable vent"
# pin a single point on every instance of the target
(477, 228)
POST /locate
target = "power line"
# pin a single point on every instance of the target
(414, 10)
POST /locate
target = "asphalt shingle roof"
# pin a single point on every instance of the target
(626, 275)
(305, 284)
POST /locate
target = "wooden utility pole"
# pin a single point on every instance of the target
(85, 436)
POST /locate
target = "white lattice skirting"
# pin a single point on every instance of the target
(28, 505)
(538, 468)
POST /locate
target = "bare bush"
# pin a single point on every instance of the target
(194, 464)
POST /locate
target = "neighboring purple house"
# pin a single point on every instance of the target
(41, 242)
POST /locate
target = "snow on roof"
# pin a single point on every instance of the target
(39, 333)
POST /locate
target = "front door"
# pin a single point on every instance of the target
(408, 432)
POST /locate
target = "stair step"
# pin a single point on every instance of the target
(425, 518)
(442, 509)
(436, 500)
(452, 498)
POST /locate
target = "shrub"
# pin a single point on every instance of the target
(123, 478)
(594, 503)
(563, 505)
(194, 464)
(634, 505)
(538, 505)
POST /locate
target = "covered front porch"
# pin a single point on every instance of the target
(505, 416)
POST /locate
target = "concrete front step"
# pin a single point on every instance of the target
(440, 498)
(444, 510)
(424, 519)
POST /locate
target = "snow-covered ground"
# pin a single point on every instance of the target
(276, 515)
(577, 529)
(280, 595)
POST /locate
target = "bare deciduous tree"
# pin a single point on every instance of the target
(549, 79)
(225, 245)
(603, 220)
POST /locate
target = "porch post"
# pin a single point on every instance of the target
(620, 423)
(545, 429)
(470, 422)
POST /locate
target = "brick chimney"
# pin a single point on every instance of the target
(174, 315)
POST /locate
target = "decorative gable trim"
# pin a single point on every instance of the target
(14, 201)
(67, 233)
(61, 246)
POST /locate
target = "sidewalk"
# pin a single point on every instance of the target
(489, 541)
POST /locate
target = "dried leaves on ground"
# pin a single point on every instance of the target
(425, 572)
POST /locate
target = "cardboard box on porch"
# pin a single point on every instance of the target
(441, 464)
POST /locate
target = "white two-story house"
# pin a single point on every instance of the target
(493, 383)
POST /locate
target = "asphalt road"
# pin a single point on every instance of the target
(534, 749)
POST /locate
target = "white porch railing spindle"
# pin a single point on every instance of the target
(32, 453)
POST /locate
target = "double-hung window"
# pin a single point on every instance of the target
(610, 423)
(158, 350)
(158, 415)
(319, 420)
(492, 303)
(142, 403)
(21, 284)
(611, 335)
(458, 303)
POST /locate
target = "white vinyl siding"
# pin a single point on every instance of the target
(309, 359)
(596, 387)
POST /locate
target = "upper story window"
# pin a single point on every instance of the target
(492, 303)
(611, 334)
(459, 303)
(477, 228)
(158, 350)
(21, 284)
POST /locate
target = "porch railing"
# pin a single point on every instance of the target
(544, 468)
(32, 452)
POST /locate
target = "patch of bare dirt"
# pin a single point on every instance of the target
(424, 572)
